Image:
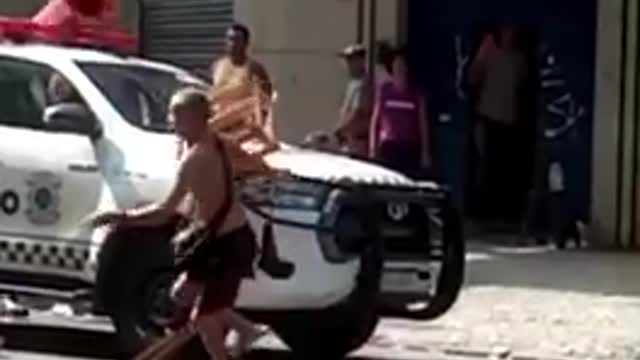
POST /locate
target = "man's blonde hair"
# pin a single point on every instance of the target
(191, 98)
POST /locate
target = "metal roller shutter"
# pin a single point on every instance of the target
(188, 33)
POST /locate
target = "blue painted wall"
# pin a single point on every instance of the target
(567, 32)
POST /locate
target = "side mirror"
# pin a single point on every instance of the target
(72, 118)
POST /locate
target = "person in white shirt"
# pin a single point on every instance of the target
(352, 130)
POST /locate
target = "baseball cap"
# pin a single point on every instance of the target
(353, 50)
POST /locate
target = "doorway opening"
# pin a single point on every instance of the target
(503, 89)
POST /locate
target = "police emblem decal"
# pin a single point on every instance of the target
(43, 198)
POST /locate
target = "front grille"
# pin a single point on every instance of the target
(406, 245)
(406, 236)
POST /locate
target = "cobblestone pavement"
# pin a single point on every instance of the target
(523, 304)
(535, 303)
(20, 355)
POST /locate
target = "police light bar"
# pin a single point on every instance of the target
(24, 30)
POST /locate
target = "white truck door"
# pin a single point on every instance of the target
(49, 178)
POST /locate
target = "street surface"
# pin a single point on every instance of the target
(21, 355)
(519, 303)
(536, 303)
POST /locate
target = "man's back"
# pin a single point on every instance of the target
(504, 74)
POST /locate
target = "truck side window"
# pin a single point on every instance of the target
(26, 93)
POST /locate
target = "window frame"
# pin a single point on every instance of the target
(13, 64)
(85, 66)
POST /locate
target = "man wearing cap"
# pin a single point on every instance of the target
(355, 113)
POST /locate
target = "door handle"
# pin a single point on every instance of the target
(137, 175)
(85, 168)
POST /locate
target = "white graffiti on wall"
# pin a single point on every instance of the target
(563, 107)
(462, 60)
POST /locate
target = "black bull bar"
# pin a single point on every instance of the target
(426, 194)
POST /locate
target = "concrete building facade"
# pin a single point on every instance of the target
(297, 41)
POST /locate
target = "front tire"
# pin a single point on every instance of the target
(335, 332)
(133, 279)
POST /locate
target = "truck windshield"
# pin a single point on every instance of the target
(141, 94)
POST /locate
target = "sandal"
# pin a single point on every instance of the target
(244, 343)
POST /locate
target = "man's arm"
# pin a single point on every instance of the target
(363, 103)
(358, 110)
(213, 69)
(160, 213)
(479, 60)
(263, 77)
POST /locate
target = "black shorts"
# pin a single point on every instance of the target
(235, 253)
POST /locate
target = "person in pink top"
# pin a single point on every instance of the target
(399, 136)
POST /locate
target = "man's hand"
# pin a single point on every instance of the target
(106, 218)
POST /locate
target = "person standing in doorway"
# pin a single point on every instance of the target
(355, 113)
(399, 135)
(498, 72)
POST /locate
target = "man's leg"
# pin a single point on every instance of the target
(238, 322)
(184, 293)
(248, 332)
(494, 169)
(211, 329)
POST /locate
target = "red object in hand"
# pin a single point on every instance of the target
(88, 7)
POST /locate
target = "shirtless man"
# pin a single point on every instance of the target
(230, 242)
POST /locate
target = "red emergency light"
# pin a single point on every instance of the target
(86, 23)
(67, 34)
(89, 7)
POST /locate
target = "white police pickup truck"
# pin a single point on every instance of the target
(330, 234)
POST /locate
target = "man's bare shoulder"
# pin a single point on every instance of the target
(219, 62)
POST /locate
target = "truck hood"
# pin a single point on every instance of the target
(333, 168)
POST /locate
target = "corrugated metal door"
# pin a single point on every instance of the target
(188, 33)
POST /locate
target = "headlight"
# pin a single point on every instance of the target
(284, 193)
